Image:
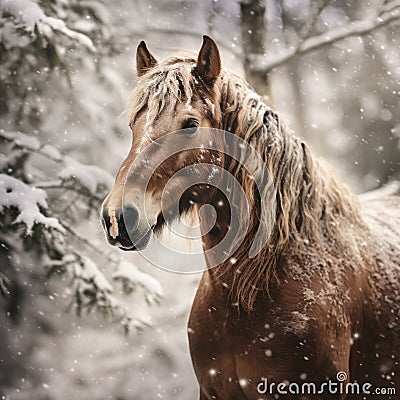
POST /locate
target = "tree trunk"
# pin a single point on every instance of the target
(254, 31)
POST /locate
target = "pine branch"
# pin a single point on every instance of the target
(31, 144)
(59, 185)
(88, 243)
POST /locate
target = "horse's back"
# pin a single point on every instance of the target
(374, 354)
(382, 216)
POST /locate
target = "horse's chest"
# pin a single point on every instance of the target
(228, 357)
(232, 353)
(221, 358)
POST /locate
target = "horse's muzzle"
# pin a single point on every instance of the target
(122, 228)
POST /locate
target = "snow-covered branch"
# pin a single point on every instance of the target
(24, 142)
(29, 16)
(27, 211)
(28, 201)
(131, 276)
(60, 185)
(265, 63)
(88, 180)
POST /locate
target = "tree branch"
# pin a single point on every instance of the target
(88, 243)
(315, 11)
(356, 28)
(59, 185)
(31, 144)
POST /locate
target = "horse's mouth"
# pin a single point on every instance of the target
(141, 244)
(133, 248)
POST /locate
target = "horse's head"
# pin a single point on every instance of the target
(173, 107)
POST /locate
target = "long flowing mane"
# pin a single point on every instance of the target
(310, 203)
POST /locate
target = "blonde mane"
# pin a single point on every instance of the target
(301, 202)
(310, 202)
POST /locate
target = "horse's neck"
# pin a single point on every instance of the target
(312, 209)
(210, 240)
(312, 206)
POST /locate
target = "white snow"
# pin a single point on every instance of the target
(90, 271)
(91, 177)
(30, 14)
(28, 200)
(210, 105)
(21, 139)
(51, 152)
(130, 273)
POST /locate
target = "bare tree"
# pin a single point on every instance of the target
(254, 34)
(258, 63)
(355, 28)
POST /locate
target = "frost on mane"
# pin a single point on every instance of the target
(30, 203)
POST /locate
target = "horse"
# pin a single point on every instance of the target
(318, 301)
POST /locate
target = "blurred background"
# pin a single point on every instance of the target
(78, 320)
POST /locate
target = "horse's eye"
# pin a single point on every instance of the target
(190, 126)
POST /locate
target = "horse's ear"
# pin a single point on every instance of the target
(208, 61)
(144, 59)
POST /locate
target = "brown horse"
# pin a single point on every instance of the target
(318, 302)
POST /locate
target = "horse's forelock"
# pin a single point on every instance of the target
(168, 83)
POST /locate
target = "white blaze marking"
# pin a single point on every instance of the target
(114, 225)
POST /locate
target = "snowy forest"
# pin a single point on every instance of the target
(80, 319)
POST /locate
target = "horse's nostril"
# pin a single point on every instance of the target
(131, 218)
(105, 219)
(120, 225)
